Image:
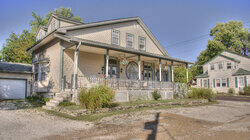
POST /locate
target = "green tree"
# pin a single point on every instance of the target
(225, 36)
(14, 48)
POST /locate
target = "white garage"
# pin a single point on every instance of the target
(15, 80)
(12, 88)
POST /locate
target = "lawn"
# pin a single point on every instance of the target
(98, 116)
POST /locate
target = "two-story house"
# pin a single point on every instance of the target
(226, 70)
(69, 55)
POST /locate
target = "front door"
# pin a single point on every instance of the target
(241, 83)
(147, 71)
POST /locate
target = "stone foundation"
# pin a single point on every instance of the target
(134, 95)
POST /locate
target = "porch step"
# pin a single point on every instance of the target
(56, 99)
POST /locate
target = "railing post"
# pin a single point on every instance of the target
(172, 71)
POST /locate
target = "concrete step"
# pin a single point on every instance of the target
(48, 107)
(52, 104)
(55, 101)
(60, 99)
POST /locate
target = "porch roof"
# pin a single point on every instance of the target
(203, 75)
(241, 71)
(118, 48)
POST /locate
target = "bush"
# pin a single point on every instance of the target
(176, 96)
(201, 93)
(247, 90)
(96, 97)
(231, 91)
(156, 95)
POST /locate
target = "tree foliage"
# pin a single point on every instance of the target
(225, 36)
(14, 48)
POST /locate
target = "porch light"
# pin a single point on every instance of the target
(124, 62)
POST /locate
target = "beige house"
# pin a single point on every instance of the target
(124, 53)
(226, 70)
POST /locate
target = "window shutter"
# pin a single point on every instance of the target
(245, 79)
(201, 82)
(236, 82)
(214, 83)
(227, 82)
(208, 83)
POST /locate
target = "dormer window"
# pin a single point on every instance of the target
(212, 67)
(115, 37)
(229, 65)
(142, 43)
(52, 26)
(129, 40)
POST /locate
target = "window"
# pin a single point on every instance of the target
(129, 40)
(220, 65)
(43, 67)
(53, 26)
(218, 82)
(36, 72)
(229, 66)
(142, 43)
(205, 83)
(40, 36)
(223, 82)
(115, 40)
(212, 67)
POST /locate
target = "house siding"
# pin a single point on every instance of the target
(103, 34)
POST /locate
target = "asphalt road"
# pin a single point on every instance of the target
(234, 98)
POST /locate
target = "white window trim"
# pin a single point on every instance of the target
(139, 37)
(222, 82)
(217, 82)
(127, 35)
(112, 35)
(230, 65)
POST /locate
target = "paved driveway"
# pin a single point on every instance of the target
(226, 120)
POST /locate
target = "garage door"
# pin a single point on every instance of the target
(12, 89)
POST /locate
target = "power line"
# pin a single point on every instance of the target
(189, 40)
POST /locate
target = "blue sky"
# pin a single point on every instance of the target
(170, 21)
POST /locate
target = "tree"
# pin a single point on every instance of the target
(14, 48)
(225, 36)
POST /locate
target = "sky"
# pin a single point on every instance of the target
(173, 22)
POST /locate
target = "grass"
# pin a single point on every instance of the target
(97, 116)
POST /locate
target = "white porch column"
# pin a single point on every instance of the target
(74, 99)
(172, 71)
(187, 71)
(139, 67)
(107, 64)
(160, 70)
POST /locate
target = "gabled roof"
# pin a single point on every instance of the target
(15, 67)
(116, 21)
(203, 75)
(241, 71)
(227, 57)
(229, 51)
(59, 18)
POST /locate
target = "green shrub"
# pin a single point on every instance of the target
(96, 97)
(156, 95)
(247, 90)
(201, 93)
(176, 96)
(231, 91)
(66, 104)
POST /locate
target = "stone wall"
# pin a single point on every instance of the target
(133, 95)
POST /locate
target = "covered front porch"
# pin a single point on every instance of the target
(85, 65)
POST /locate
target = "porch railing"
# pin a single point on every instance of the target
(121, 84)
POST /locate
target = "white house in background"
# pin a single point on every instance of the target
(226, 70)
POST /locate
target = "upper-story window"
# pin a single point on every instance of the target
(53, 25)
(229, 65)
(115, 37)
(129, 40)
(212, 67)
(220, 65)
(40, 36)
(142, 43)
